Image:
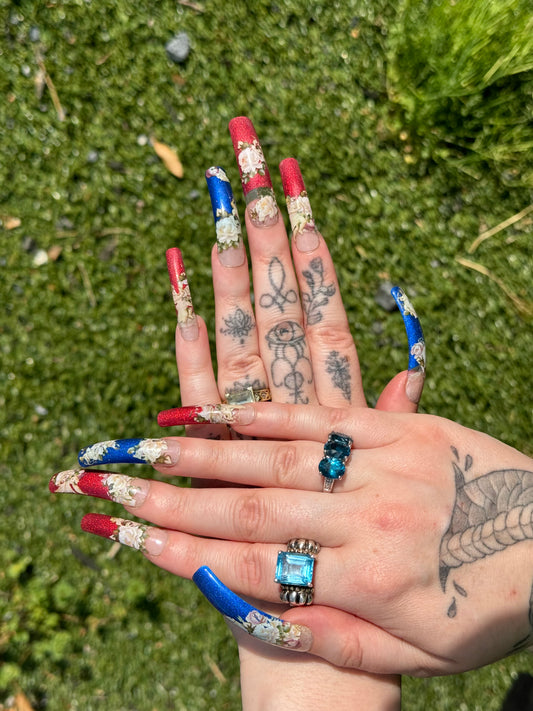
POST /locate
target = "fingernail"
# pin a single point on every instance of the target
(258, 624)
(298, 206)
(415, 384)
(126, 451)
(416, 342)
(111, 486)
(230, 246)
(222, 414)
(181, 294)
(255, 178)
(146, 539)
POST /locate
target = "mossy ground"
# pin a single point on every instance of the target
(87, 339)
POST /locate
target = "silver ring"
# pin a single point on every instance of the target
(249, 394)
(294, 571)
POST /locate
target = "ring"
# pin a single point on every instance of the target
(333, 465)
(249, 394)
(294, 571)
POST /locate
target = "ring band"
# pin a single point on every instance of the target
(332, 466)
(249, 394)
(294, 571)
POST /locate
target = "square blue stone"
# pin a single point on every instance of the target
(294, 569)
(332, 468)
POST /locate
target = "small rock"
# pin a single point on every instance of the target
(142, 140)
(40, 410)
(384, 298)
(92, 156)
(25, 70)
(39, 258)
(34, 34)
(28, 244)
(178, 48)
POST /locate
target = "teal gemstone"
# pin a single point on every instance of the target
(295, 569)
(332, 468)
(337, 449)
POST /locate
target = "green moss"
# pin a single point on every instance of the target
(89, 337)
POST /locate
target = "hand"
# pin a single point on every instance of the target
(426, 542)
(242, 361)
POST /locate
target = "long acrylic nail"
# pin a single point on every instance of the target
(181, 294)
(255, 178)
(417, 345)
(258, 624)
(230, 246)
(222, 414)
(298, 206)
(146, 539)
(111, 486)
(126, 451)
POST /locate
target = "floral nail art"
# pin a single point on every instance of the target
(221, 414)
(415, 336)
(181, 294)
(255, 178)
(123, 451)
(298, 205)
(227, 223)
(104, 485)
(139, 536)
(258, 624)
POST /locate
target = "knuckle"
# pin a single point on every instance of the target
(250, 515)
(350, 655)
(283, 466)
(336, 337)
(250, 568)
(240, 364)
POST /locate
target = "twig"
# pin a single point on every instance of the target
(215, 668)
(524, 307)
(502, 226)
(87, 284)
(53, 91)
(192, 5)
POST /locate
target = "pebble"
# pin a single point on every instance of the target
(384, 298)
(40, 410)
(35, 34)
(92, 156)
(39, 258)
(178, 47)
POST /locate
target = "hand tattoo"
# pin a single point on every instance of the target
(339, 368)
(238, 325)
(490, 513)
(278, 297)
(291, 367)
(318, 294)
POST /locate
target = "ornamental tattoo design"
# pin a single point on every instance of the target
(319, 294)
(490, 513)
(280, 296)
(339, 368)
(291, 367)
(239, 325)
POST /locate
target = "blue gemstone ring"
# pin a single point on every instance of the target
(332, 466)
(294, 571)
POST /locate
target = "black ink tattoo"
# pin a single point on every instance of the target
(238, 325)
(255, 384)
(318, 294)
(279, 297)
(339, 368)
(291, 367)
(490, 513)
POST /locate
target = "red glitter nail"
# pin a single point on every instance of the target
(293, 184)
(100, 524)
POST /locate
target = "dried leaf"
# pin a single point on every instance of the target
(54, 252)
(10, 223)
(168, 156)
(21, 703)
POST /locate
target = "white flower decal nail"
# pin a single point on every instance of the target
(251, 160)
(97, 452)
(151, 451)
(130, 533)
